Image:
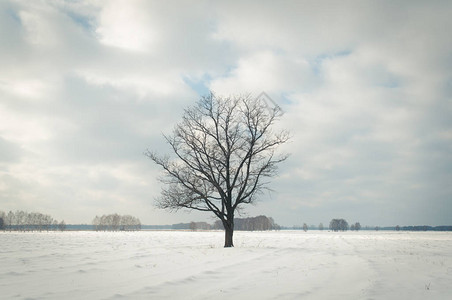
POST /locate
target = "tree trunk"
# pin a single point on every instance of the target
(228, 233)
(228, 238)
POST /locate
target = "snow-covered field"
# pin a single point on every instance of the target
(193, 265)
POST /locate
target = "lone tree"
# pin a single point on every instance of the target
(224, 149)
(357, 226)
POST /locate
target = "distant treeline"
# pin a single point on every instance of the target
(420, 228)
(115, 222)
(342, 225)
(259, 223)
(189, 226)
(35, 221)
(373, 228)
(25, 221)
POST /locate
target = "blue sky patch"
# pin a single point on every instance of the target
(200, 86)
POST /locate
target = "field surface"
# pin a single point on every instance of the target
(193, 265)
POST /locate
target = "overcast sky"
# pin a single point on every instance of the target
(366, 86)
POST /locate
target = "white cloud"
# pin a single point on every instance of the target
(127, 25)
(267, 71)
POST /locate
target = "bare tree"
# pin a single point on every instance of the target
(10, 220)
(224, 148)
(192, 226)
(305, 227)
(273, 225)
(321, 226)
(21, 220)
(96, 223)
(2, 220)
(115, 221)
(357, 226)
(62, 226)
(55, 225)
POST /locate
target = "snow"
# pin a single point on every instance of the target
(194, 265)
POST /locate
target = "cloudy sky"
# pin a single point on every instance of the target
(366, 86)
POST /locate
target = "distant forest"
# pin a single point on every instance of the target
(25, 221)
(115, 222)
(420, 228)
(259, 223)
(377, 228)
(35, 221)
